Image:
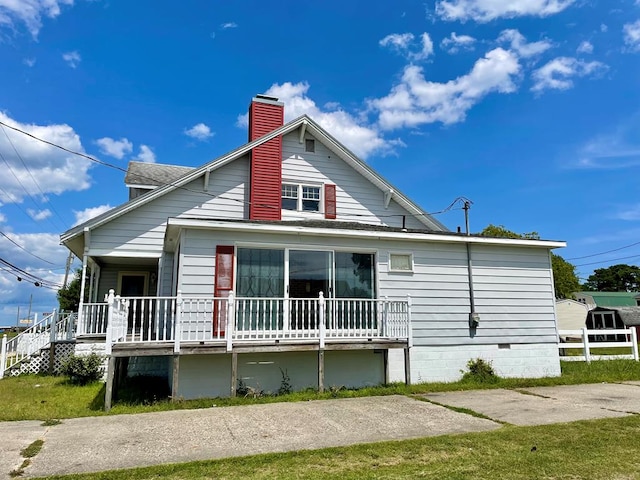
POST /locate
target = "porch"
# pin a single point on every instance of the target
(180, 325)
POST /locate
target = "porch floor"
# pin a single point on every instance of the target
(136, 349)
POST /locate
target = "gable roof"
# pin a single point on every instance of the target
(153, 174)
(301, 122)
(611, 299)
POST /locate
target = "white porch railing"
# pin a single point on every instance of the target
(627, 338)
(231, 320)
(54, 327)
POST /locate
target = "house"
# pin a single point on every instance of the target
(571, 314)
(291, 256)
(607, 299)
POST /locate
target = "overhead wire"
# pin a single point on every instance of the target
(24, 249)
(182, 187)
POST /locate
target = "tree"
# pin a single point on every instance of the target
(565, 280)
(617, 278)
(69, 296)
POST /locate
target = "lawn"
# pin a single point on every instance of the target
(47, 398)
(597, 449)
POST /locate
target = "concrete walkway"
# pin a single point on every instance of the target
(124, 441)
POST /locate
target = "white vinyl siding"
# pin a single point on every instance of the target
(513, 285)
(357, 199)
(142, 230)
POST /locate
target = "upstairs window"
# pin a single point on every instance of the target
(300, 198)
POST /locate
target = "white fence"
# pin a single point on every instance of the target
(579, 339)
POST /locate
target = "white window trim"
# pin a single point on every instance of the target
(133, 274)
(299, 210)
(397, 270)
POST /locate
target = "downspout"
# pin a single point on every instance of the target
(474, 318)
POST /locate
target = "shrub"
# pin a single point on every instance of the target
(82, 370)
(285, 384)
(479, 371)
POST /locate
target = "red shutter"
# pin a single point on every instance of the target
(223, 285)
(330, 201)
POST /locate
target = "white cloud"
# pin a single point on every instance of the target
(115, 148)
(227, 25)
(405, 44)
(3, 218)
(54, 170)
(630, 213)
(29, 62)
(29, 12)
(631, 33)
(603, 28)
(558, 73)
(145, 155)
(487, 10)
(38, 215)
(455, 43)
(355, 134)
(615, 149)
(199, 131)
(89, 213)
(585, 47)
(520, 45)
(415, 100)
(73, 59)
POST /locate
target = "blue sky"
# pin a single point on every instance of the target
(529, 108)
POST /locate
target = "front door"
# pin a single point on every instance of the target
(134, 285)
(309, 274)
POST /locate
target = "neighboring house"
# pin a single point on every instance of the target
(607, 299)
(291, 256)
(571, 314)
(613, 318)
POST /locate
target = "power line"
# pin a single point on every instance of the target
(200, 192)
(602, 253)
(31, 175)
(607, 261)
(22, 248)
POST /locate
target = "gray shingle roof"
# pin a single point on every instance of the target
(629, 315)
(142, 173)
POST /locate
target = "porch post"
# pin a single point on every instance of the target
(108, 394)
(174, 382)
(234, 373)
(321, 320)
(177, 324)
(321, 370)
(81, 326)
(109, 336)
(3, 355)
(231, 304)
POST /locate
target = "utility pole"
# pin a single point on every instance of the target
(66, 273)
(30, 303)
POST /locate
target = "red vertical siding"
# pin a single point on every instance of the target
(266, 161)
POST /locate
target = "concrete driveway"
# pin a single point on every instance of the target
(123, 441)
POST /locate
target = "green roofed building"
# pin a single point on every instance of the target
(609, 299)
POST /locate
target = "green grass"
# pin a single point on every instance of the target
(50, 398)
(33, 449)
(597, 449)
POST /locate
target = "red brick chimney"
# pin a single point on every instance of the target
(265, 115)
